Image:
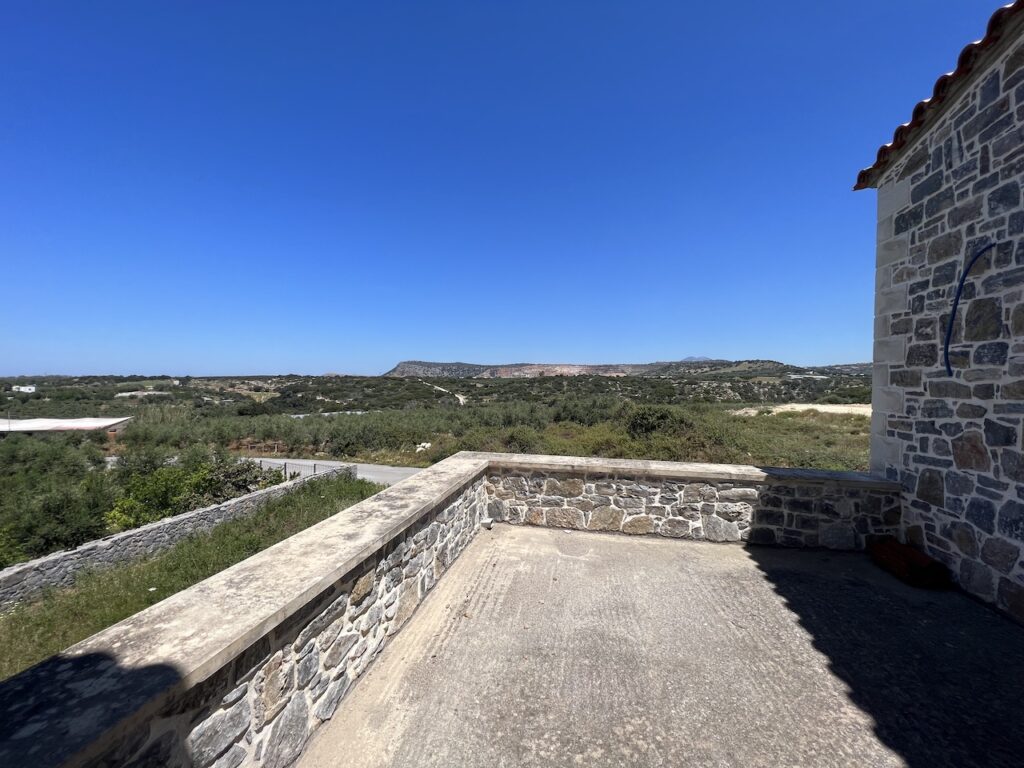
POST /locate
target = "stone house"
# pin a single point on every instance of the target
(948, 424)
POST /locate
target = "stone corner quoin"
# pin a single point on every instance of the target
(954, 442)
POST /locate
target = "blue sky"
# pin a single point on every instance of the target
(202, 188)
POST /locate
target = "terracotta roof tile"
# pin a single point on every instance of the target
(925, 110)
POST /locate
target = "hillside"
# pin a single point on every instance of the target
(692, 366)
(418, 368)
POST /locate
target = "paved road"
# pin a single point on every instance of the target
(376, 473)
(382, 473)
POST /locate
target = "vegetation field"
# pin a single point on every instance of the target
(56, 492)
(602, 426)
(743, 382)
(35, 630)
(177, 453)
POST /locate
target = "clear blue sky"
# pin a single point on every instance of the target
(197, 187)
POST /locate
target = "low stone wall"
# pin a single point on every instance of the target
(792, 509)
(60, 569)
(263, 707)
(244, 666)
(241, 668)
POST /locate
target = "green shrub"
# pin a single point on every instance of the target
(56, 493)
(59, 519)
(127, 513)
(644, 420)
(521, 440)
(199, 479)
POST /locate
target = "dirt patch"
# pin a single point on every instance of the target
(860, 409)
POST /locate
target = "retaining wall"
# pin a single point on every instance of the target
(59, 569)
(241, 668)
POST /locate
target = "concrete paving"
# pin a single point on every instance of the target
(546, 648)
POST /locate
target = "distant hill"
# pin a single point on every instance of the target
(690, 366)
(418, 368)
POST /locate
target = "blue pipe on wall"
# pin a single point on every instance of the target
(956, 301)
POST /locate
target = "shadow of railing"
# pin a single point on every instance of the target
(52, 711)
(941, 675)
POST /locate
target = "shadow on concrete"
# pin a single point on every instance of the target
(50, 712)
(942, 676)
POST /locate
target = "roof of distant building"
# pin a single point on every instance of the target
(59, 425)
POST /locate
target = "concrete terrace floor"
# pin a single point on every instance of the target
(546, 648)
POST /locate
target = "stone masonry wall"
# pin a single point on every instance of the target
(955, 442)
(59, 569)
(261, 709)
(788, 514)
(255, 702)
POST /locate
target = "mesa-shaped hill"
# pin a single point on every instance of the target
(692, 366)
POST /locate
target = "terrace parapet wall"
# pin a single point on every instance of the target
(243, 667)
(787, 513)
(955, 442)
(25, 580)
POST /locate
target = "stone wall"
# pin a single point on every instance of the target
(788, 513)
(954, 442)
(241, 668)
(60, 569)
(262, 707)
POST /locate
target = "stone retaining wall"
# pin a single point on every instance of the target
(788, 513)
(60, 569)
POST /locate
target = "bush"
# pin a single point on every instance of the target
(56, 492)
(199, 479)
(52, 494)
(586, 411)
(59, 519)
(127, 513)
(644, 420)
(521, 440)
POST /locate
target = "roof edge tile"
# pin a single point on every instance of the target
(924, 110)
